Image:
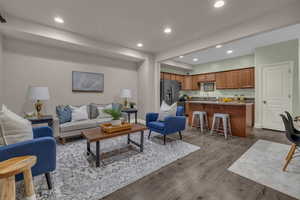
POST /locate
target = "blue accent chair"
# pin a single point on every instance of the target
(170, 125)
(43, 146)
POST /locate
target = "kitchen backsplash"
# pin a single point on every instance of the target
(250, 93)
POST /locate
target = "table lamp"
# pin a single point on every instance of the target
(126, 93)
(39, 94)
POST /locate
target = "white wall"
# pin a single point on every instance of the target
(1, 71)
(28, 64)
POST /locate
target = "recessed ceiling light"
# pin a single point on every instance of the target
(181, 56)
(219, 46)
(229, 52)
(219, 4)
(167, 30)
(195, 59)
(139, 44)
(59, 20)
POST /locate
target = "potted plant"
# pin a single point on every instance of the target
(116, 116)
(131, 104)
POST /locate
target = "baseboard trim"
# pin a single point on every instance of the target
(257, 125)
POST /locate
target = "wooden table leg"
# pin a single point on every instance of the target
(8, 188)
(29, 189)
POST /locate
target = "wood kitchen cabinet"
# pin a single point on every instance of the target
(246, 78)
(211, 77)
(187, 83)
(221, 80)
(195, 83)
(232, 79)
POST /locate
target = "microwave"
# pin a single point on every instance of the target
(207, 87)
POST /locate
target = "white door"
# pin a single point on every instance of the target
(277, 91)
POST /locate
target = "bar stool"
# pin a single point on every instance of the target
(218, 117)
(202, 119)
(12, 167)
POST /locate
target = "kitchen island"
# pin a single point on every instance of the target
(241, 114)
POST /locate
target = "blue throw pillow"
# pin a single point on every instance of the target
(64, 114)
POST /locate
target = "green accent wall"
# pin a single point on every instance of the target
(165, 68)
(277, 53)
(224, 65)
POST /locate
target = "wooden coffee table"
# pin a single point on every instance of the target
(96, 135)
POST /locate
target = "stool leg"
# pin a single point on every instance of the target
(29, 189)
(212, 126)
(8, 188)
(225, 124)
(201, 119)
(229, 126)
(193, 120)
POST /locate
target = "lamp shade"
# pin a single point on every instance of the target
(126, 93)
(39, 93)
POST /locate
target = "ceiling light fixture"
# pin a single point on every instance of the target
(229, 52)
(219, 46)
(139, 44)
(195, 59)
(59, 20)
(167, 30)
(219, 4)
(181, 57)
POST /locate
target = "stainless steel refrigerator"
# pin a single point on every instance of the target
(169, 91)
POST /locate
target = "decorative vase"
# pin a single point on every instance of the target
(116, 122)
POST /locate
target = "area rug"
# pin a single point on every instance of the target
(263, 164)
(77, 178)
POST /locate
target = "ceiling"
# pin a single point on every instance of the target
(128, 22)
(242, 47)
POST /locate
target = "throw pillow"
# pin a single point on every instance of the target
(64, 113)
(166, 110)
(102, 114)
(79, 113)
(14, 128)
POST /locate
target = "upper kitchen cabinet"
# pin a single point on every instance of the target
(235, 79)
(187, 83)
(232, 79)
(211, 77)
(221, 80)
(195, 82)
(246, 78)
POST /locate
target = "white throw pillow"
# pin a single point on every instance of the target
(79, 113)
(103, 114)
(14, 128)
(166, 110)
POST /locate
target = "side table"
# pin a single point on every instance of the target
(130, 111)
(41, 120)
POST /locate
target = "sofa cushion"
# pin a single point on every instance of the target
(156, 125)
(79, 113)
(97, 110)
(64, 113)
(102, 120)
(77, 125)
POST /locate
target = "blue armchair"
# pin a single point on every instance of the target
(43, 146)
(170, 125)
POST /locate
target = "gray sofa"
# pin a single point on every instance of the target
(72, 129)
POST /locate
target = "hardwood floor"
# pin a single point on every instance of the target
(203, 175)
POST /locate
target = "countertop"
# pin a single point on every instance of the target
(221, 103)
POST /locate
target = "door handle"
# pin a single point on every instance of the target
(264, 102)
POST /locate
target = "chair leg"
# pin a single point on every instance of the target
(164, 139)
(49, 182)
(180, 135)
(149, 135)
(290, 156)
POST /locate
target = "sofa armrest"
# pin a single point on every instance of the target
(44, 148)
(150, 117)
(175, 123)
(44, 131)
(56, 129)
